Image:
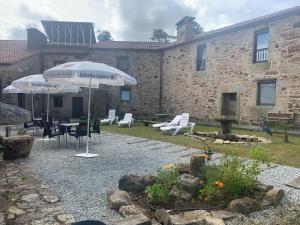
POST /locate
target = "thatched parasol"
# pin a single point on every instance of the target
(10, 114)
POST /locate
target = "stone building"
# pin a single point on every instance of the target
(241, 71)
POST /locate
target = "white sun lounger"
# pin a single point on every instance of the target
(184, 124)
(111, 117)
(127, 120)
(175, 121)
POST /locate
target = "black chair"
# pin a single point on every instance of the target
(95, 128)
(89, 222)
(62, 128)
(81, 131)
(51, 131)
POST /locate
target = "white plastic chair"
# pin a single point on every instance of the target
(111, 117)
(184, 124)
(127, 120)
(175, 121)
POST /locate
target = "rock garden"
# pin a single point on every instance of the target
(200, 192)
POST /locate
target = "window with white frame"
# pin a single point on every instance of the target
(125, 94)
(266, 92)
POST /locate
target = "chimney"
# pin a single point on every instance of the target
(187, 29)
(35, 39)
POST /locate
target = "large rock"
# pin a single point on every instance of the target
(181, 195)
(244, 205)
(258, 186)
(139, 219)
(200, 217)
(274, 196)
(129, 210)
(223, 214)
(11, 114)
(183, 168)
(134, 183)
(197, 164)
(162, 216)
(17, 146)
(190, 183)
(118, 198)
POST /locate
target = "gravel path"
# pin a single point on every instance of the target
(82, 183)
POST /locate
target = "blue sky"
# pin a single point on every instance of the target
(131, 19)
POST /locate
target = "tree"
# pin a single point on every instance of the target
(104, 35)
(160, 35)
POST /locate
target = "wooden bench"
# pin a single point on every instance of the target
(286, 117)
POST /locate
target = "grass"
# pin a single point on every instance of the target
(284, 153)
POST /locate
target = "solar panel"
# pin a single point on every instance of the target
(69, 33)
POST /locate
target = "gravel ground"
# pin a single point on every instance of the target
(82, 183)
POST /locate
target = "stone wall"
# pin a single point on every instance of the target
(8, 73)
(143, 65)
(230, 68)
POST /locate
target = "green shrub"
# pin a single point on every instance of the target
(232, 177)
(260, 154)
(166, 179)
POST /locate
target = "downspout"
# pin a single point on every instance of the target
(160, 81)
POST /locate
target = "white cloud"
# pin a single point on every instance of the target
(131, 19)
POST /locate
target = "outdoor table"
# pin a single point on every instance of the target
(66, 125)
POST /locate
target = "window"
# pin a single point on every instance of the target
(201, 57)
(125, 94)
(58, 62)
(261, 46)
(58, 101)
(122, 63)
(266, 92)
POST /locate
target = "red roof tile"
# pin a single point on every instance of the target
(13, 51)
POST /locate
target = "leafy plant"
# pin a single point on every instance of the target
(166, 179)
(231, 178)
(157, 193)
(260, 154)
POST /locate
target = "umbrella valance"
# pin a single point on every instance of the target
(80, 72)
(37, 84)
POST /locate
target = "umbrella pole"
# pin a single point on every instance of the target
(32, 107)
(48, 105)
(87, 154)
(88, 122)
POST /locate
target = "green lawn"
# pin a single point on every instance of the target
(284, 153)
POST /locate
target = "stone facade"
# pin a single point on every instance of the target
(8, 73)
(230, 68)
(169, 82)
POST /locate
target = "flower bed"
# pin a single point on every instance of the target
(202, 191)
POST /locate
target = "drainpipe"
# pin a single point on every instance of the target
(160, 81)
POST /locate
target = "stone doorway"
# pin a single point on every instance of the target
(229, 104)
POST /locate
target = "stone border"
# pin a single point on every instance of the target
(25, 199)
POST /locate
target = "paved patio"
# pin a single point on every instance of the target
(82, 183)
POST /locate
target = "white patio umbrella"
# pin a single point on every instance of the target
(36, 84)
(90, 75)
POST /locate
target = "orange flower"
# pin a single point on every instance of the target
(219, 184)
(204, 155)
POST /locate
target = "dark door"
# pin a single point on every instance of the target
(21, 100)
(229, 104)
(77, 107)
